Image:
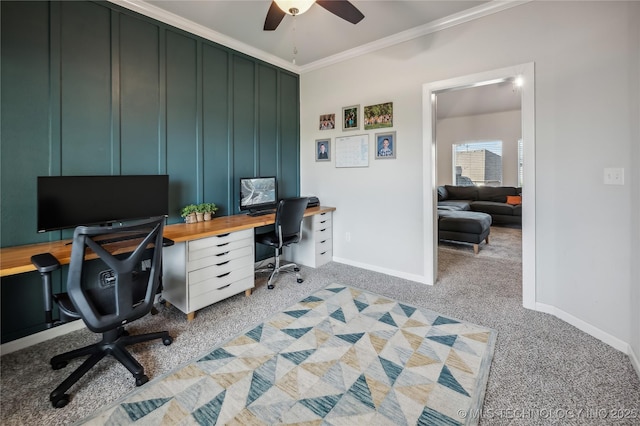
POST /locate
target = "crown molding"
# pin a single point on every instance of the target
(471, 14)
(162, 15)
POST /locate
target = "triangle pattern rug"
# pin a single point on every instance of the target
(341, 356)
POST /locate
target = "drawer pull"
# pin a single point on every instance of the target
(322, 242)
(322, 214)
(223, 263)
(223, 287)
(222, 254)
(222, 245)
(323, 221)
(323, 253)
(223, 235)
(322, 230)
(223, 275)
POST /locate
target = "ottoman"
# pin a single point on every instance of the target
(464, 226)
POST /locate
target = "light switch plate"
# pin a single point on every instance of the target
(614, 176)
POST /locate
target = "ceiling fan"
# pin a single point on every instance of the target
(279, 8)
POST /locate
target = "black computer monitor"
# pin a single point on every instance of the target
(69, 201)
(258, 193)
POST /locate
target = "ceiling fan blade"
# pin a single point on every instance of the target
(342, 8)
(274, 17)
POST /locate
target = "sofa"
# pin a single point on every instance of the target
(503, 203)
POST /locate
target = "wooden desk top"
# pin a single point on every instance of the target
(17, 259)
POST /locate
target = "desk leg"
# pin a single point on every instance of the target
(47, 292)
(248, 292)
(191, 316)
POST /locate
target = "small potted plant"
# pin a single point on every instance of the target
(200, 212)
(189, 213)
(208, 209)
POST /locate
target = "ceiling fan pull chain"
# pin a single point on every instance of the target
(295, 49)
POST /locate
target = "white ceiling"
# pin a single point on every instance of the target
(320, 37)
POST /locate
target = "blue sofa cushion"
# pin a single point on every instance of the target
(495, 208)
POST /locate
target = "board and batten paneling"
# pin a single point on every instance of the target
(91, 88)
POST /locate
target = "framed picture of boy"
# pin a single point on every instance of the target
(323, 149)
(385, 145)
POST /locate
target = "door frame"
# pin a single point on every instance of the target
(525, 71)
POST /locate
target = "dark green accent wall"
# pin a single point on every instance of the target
(92, 88)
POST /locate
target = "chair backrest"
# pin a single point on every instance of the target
(122, 290)
(288, 221)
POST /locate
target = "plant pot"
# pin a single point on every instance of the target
(200, 217)
(207, 216)
(191, 218)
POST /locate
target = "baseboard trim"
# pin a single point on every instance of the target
(411, 277)
(41, 336)
(610, 340)
(635, 360)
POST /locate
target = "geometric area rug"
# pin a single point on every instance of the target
(341, 356)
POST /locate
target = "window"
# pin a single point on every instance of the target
(477, 163)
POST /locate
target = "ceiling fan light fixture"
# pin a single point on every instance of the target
(294, 7)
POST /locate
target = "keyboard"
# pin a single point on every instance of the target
(261, 212)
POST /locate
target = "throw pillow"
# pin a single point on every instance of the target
(442, 193)
(514, 199)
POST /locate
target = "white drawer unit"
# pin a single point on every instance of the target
(316, 246)
(201, 272)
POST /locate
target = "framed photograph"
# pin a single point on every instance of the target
(378, 116)
(351, 117)
(327, 122)
(385, 145)
(323, 149)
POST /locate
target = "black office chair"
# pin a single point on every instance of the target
(287, 230)
(108, 293)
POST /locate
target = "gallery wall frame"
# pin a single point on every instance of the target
(327, 122)
(386, 145)
(351, 117)
(323, 149)
(378, 116)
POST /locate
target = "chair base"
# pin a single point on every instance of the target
(114, 342)
(276, 268)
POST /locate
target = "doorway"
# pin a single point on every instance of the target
(525, 72)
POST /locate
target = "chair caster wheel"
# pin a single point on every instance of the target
(167, 341)
(271, 266)
(296, 269)
(60, 402)
(141, 380)
(58, 365)
(300, 280)
(271, 286)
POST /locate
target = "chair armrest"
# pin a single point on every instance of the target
(45, 262)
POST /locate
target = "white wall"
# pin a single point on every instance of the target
(586, 62)
(634, 117)
(502, 126)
